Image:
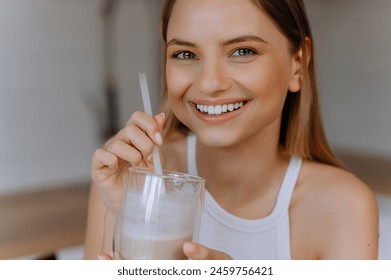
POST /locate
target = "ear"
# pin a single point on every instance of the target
(298, 64)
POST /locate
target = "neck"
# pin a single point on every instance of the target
(254, 166)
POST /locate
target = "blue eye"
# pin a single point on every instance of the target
(184, 55)
(243, 52)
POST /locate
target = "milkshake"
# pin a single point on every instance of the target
(153, 247)
(156, 218)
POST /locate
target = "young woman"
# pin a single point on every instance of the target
(241, 110)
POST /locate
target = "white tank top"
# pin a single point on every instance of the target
(267, 238)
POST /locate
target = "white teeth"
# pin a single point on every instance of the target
(219, 109)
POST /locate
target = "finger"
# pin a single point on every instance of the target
(125, 151)
(130, 141)
(104, 164)
(160, 118)
(103, 158)
(147, 124)
(134, 136)
(196, 251)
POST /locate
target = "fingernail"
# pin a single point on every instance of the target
(189, 248)
(163, 115)
(100, 257)
(158, 138)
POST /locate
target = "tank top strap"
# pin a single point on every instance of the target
(288, 184)
(191, 154)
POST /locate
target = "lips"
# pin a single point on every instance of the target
(218, 109)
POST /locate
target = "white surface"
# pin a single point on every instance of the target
(71, 253)
(385, 227)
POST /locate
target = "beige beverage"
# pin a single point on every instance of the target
(157, 215)
(153, 248)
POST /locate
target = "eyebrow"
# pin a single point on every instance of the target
(180, 43)
(244, 38)
(236, 40)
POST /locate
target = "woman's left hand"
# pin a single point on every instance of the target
(193, 251)
(196, 251)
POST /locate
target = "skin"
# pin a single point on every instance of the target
(240, 55)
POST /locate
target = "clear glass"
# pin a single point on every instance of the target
(157, 214)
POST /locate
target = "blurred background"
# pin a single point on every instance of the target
(68, 80)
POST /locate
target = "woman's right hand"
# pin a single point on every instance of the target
(131, 146)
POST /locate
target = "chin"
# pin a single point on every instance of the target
(216, 138)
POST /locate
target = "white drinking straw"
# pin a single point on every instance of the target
(148, 109)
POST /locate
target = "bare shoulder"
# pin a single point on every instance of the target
(174, 152)
(336, 189)
(333, 184)
(340, 209)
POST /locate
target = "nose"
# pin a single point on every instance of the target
(213, 77)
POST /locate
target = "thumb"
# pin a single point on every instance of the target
(196, 251)
(104, 257)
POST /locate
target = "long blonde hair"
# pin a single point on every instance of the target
(301, 131)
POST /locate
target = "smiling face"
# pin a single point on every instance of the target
(228, 70)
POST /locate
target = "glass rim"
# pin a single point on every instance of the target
(167, 174)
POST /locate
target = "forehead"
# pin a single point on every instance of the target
(200, 19)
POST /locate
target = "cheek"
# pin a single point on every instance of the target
(177, 85)
(265, 80)
(177, 82)
(268, 83)
(275, 76)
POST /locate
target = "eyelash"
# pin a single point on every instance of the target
(183, 53)
(249, 52)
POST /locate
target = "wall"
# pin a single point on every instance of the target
(353, 40)
(51, 80)
(51, 84)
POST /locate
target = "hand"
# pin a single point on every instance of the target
(131, 146)
(196, 251)
(193, 251)
(105, 257)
